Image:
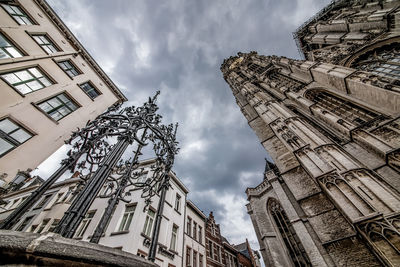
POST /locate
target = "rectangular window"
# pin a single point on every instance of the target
(188, 256)
(22, 226)
(200, 234)
(53, 225)
(7, 50)
(11, 135)
(189, 226)
(85, 223)
(174, 237)
(127, 218)
(43, 225)
(178, 202)
(194, 258)
(200, 260)
(43, 202)
(44, 41)
(17, 14)
(27, 80)
(148, 225)
(89, 89)
(210, 248)
(194, 230)
(58, 107)
(69, 68)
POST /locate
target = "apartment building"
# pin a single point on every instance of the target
(194, 238)
(49, 85)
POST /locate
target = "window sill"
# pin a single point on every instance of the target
(119, 232)
(145, 236)
(178, 211)
(173, 251)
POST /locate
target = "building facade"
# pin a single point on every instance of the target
(221, 253)
(194, 237)
(49, 83)
(331, 125)
(132, 224)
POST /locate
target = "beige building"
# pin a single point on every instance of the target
(49, 85)
(194, 237)
(331, 124)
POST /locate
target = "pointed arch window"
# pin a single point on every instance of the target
(282, 81)
(340, 107)
(257, 68)
(288, 234)
(383, 62)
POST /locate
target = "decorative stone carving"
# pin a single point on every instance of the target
(345, 197)
(384, 236)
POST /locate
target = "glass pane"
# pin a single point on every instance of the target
(63, 98)
(48, 51)
(14, 52)
(23, 75)
(23, 89)
(38, 39)
(54, 102)
(45, 82)
(56, 115)
(3, 54)
(34, 85)
(19, 20)
(17, 10)
(8, 9)
(45, 107)
(4, 146)
(3, 41)
(72, 106)
(26, 20)
(128, 223)
(36, 72)
(64, 111)
(52, 49)
(11, 78)
(93, 94)
(21, 135)
(7, 126)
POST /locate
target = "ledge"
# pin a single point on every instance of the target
(20, 248)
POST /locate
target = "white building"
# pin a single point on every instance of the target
(194, 238)
(130, 228)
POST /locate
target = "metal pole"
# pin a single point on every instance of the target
(157, 224)
(114, 200)
(13, 218)
(76, 212)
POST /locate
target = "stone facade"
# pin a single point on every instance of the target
(331, 125)
(50, 85)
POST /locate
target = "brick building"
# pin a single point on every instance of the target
(221, 253)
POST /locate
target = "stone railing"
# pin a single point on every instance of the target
(258, 189)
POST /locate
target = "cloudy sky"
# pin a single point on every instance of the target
(177, 47)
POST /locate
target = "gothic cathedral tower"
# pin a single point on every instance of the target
(331, 124)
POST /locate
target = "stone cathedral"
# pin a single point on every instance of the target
(331, 124)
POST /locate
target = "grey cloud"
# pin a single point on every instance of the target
(178, 46)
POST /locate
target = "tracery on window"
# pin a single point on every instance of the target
(281, 80)
(288, 234)
(383, 62)
(257, 68)
(385, 237)
(344, 109)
